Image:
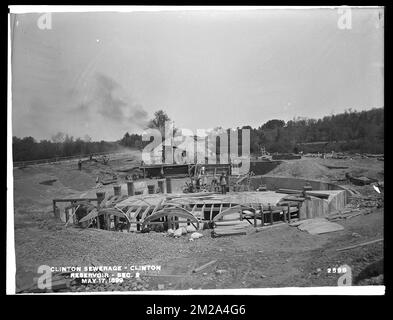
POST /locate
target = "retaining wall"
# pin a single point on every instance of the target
(313, 207)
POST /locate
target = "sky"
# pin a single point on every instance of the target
(105, 73)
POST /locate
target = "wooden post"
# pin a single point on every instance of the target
(255, 218)
(262, 216)
(162, 186)
(130, 188)
(100, 197)
(56, 210)
(66, 216)
(117, 190)
(271, 214)
(289, 213)
(54, 207)
(108, 221)
(151, 188)
(168, 185)
(138, 227)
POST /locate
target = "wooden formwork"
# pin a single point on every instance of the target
(169, 211)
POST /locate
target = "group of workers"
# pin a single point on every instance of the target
(105, 160)
(217, 183)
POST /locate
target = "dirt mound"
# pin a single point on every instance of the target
(303, 168)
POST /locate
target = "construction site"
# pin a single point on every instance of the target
(282, 223)
(224, 150)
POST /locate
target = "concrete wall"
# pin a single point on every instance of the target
(315, 207)
(274, 183)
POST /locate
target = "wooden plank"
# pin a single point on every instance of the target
(129, 211)
(73, 200)
(309, 193)
(136, 213)
(360, 245)
(204, 266)
(231, 228)
(228, 233)
(299, 199)
(271, 215)
(289, 213)
(262, 215)
(278, 224)
(289, 191)
(255, 217)
(228, 220)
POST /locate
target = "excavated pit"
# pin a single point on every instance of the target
(284, 200)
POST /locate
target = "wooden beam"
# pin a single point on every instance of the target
(136, 213)
(262, 215)
(255, 217)
(145, 212)
(211, 212)
(73, 200)
(289, 213)
(360, 244)
(217, 234)
(204, 266)
(219, 210)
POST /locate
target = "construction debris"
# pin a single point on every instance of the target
(359, 201)
(347, 214)
(360, 181)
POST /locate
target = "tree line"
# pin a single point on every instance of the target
(351, 131)
(27, 148)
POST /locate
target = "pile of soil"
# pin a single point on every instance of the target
(304, 168)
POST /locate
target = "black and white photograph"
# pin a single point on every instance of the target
(195, 150)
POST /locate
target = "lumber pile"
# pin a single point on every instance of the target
(230, 228)
(300, 192)
(105, 182)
